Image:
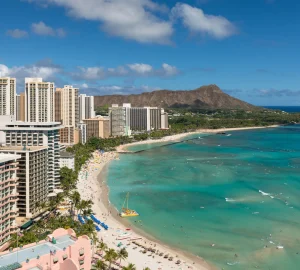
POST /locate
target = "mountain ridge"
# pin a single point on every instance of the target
(206, 97)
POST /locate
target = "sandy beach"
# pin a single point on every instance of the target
(178, 137)
(91, 185)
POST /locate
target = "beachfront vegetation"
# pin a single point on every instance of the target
(129, 267)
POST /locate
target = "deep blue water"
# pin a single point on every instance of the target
(289, 109)
(240, 192)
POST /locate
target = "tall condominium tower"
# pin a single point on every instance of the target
(32, 188)
(86, 107)
(127, 120)
(7, 96)
(67, 112)
(20, 107)
(8, 200)
(31, 135)
(39, 100)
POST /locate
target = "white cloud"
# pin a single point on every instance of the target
(42, 29)
(170, 70)
(60, 32)
(141, 68)
(118, 90)
(17, 33)
(36, 70)
(131, 70)
(131, 19)
(195, 20)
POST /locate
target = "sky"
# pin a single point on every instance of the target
(249, 48)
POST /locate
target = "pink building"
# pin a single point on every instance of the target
(61, 250)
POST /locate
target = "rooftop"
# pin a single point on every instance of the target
(32, 252)
(97, 118)
(8, 157)
(65, 154)
(22, 148)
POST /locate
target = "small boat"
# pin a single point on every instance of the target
(126, 212)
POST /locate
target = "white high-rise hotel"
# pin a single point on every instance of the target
(39, 100)
(7, 96)
(86, 107)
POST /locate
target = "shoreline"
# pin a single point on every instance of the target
(94, 187)
(177, 137)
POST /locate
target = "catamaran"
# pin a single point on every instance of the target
(126, 212)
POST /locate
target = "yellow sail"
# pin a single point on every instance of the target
(126, 212)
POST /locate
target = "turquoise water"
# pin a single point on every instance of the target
(239, 192)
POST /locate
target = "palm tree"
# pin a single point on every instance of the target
(43, 205)
(75, 198)
(102, 246)
(110, 256)
(147, 268)
(38, 206)
(129, 267)
(85, 205)
(52, 204)
(122, 254)
(89, 229)
(100, 265)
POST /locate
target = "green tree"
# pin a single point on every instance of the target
(110, 256)
(102, 247)
(100, 265)
(122, 254)
(68, 179)
(129, 267)
(75, 198)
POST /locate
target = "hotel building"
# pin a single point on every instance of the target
(7, 96)
(36, 134)
(32, 176)
(20, 107)
(39, 100)
(97, 127)
(82, 132)
(67, 160)
(86, 107)
(127, 120)
(8, 196)
(61, 250)
(67, 112)
(164, 120)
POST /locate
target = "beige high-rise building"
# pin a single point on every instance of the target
(67, 112)
(39, 100)
(32, 188)
(8, 200)
(97, 127)
(20, 107)
(7, 96)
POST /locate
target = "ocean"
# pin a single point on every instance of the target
(240, 192)
(289, 109)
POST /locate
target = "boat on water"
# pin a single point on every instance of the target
(126, 212)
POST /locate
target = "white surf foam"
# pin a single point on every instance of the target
(264, 193)
(229, 200)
